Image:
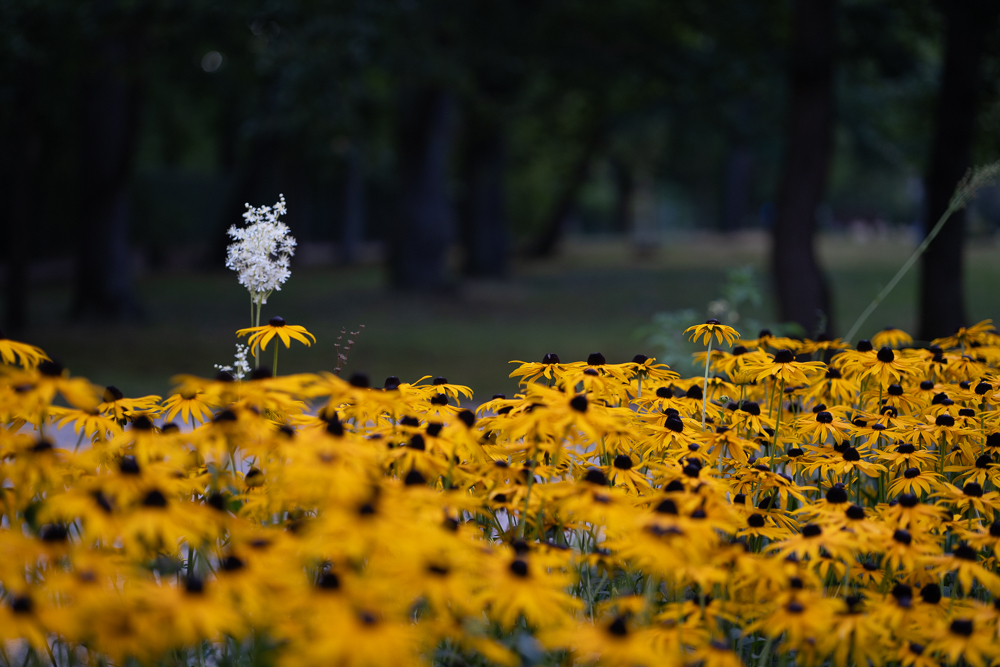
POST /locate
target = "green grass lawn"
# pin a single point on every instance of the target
(593, 298)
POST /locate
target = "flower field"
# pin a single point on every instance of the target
(804, 502)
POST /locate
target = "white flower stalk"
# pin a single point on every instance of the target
(261, 253)
(241, 367)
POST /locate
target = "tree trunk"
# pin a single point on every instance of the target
(942, 294)
(425, 227)
(486, 239)
(548, 240)
(22, 180)
(353, 230)
(739, 179)
(104, 286)
(624, 180)
(803, 296)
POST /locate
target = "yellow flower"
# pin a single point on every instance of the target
(710, 328)
(982, 333)
(888, 368)
(261, 336)
(891, 337)
(28, 356)
(189, 405)
(782, 366)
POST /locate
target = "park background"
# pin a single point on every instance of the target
(481, 181)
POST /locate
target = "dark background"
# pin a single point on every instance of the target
(482, 180)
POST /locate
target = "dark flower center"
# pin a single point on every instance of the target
(360, 380)
(596, 359)
(886, 355)
(811, 530)
(595, 476)
(50, 368)
(911, 473)
(128, 465)
(618, 627)
(864, 345)
(277, 321)
(53, 533)
(666, 506)
(945, 420)
(623, 462)
(855, 512)
(231, 564)
(901, 591)
(973, 490)
(965, 552)
(824, 417)
(414, 478)
(154, 498)
(962, 627)
(836, 495)
(112, 394)
(903, 537)
(328, 581)
(931, 593)
(22, 604)
(755, 520)
(550, 358)
(784, 357)
(519, 568)
(579, 403)
(851, 455)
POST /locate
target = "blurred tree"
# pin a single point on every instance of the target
(942, 294)
(803, 295)
(109, 117)
(22, 174)
(420, 243)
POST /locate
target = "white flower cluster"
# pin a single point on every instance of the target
(261, 250)
(241, 367)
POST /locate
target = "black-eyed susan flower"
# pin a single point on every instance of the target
(721, 332)
(891, 337)
(887, 368)
(276, 327)
(12, 351)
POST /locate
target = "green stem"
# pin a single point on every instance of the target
(527, 496)
(777, 424)
(704, 388)
(274, 370)
(256, 357)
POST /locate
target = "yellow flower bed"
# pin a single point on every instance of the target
(839, 505)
